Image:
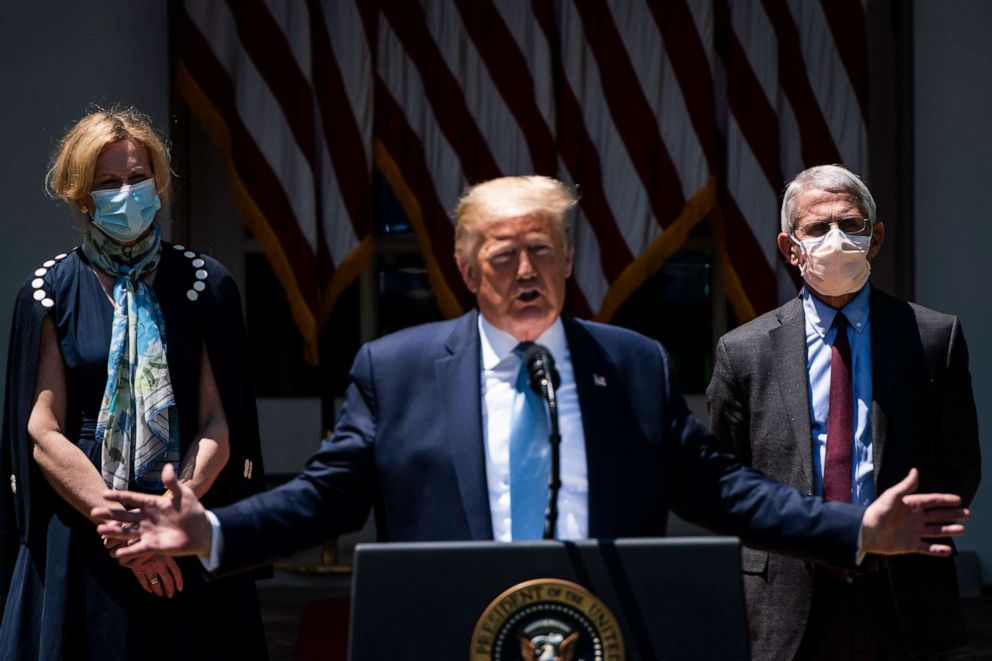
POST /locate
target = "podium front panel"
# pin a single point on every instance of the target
(678, 598)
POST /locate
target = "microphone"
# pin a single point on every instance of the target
(545, 380)
(542, 372)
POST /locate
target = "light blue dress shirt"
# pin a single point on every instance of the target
(820, 334)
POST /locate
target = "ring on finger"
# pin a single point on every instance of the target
(153, 581)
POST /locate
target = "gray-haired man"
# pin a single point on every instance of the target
(838, 393)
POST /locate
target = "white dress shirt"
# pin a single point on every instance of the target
(500, 367)
(212, 561)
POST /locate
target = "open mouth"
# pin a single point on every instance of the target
(528, 296)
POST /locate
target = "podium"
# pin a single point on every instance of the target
(672, 598)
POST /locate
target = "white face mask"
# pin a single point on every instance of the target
(835, 264)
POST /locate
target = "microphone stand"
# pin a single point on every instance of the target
(544, 379)
(554, 480)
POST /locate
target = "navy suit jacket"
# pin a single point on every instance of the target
(409, 444)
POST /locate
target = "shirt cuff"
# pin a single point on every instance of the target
(211, 562)
(859, 557)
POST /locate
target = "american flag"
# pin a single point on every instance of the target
(663, 113)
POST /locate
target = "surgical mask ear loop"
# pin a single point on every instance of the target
(803, 255)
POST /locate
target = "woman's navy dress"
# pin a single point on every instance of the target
(65, 598)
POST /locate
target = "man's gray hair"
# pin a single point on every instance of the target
(832, 178)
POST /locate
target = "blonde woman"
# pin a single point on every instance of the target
(127, 354)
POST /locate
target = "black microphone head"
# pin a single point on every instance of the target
(541, 368)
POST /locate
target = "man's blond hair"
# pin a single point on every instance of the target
(512, 197)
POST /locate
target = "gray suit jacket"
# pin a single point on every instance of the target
(923, 415)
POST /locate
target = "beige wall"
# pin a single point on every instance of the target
(57, 58)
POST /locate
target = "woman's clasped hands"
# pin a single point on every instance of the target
(156, 574)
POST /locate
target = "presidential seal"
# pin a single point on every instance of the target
(547, 619)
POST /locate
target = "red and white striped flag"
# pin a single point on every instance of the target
(662, 112)
(793, 79)
(285, 91)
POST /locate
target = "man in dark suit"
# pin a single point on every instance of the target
(838, 393)
(437, 434)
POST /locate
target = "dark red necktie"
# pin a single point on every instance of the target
(840, 419)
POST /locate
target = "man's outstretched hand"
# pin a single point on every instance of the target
(159, 525)
(900, 521)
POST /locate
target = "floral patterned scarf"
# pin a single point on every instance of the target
(138, 426)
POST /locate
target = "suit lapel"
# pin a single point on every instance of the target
(789, 367)
(596, 384)
(460, 392)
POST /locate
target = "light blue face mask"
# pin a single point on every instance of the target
(126, 212)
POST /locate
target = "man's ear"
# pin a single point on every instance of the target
(877, 238)
(788, 248)
(470, 273)
(569, 261)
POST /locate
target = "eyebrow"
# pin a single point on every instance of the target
(832, 219)
(137, 169)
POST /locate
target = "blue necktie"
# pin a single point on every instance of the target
(530, 458)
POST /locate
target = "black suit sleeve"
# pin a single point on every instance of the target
(25, 496)
(957, 455)
(226, 342)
